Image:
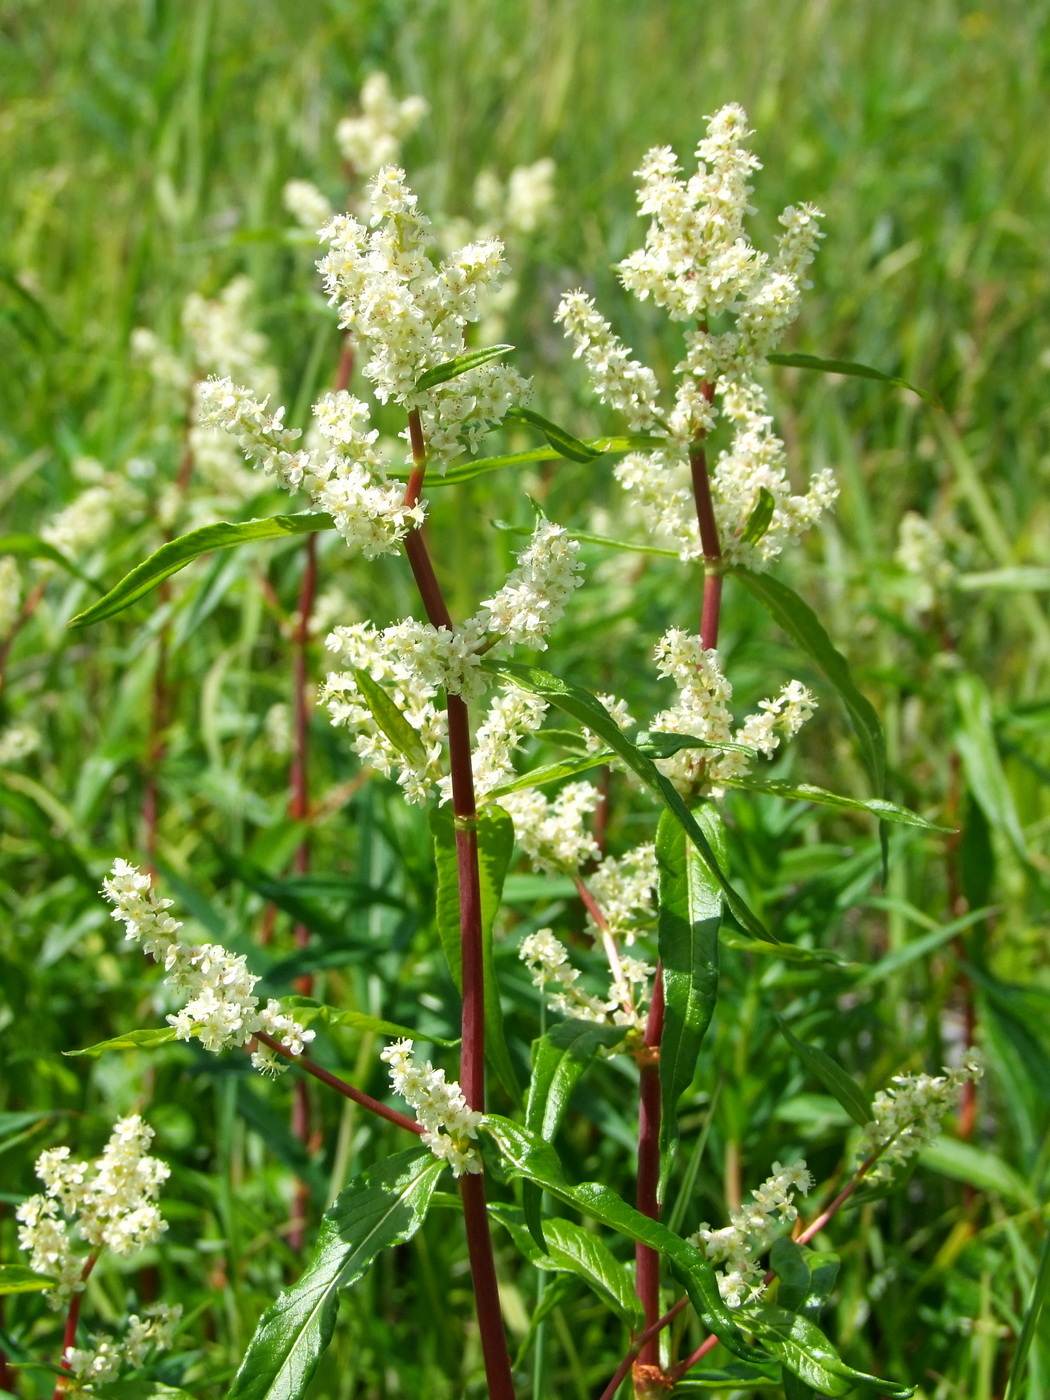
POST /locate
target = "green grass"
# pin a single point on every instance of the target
(145, 146)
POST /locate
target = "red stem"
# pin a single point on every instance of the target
(709, 542)
(652, 1331)
(472, 1054)
(69, 1336)
(348, 1091)
(29, 607)
(647, 1260)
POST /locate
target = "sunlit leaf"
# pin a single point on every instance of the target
(147, 1039)
(806, 792)
(563, 443)
(14, 1278)
(831, 1074)
(452, 369)
(390, 719)
(848, 367)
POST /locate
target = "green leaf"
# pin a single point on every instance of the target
(689, 920)
(806, 792)
(824, 1272)
(850, 367)
(834, 1078)
(1031, 1320)
(16, 1279)
(468, 468)
(760, 519)
(1020, 579)
(802, 1347)
(527, 1155)
(563, 443)
(790, 952)
(788, 1262)
(590, 711)
(735, 1377)
(975, 740)
(795, 1389)
(452, 369)
(572, 1249)
(176, 554)
(559, 1059)
(552, 773)
(33, 547)
(802, 625)
(654, 743)
(390, 719)
(495, 833)
(919, 947)
(139, 1388)
(147, 1039)
(978, 1167)
(384, 1207)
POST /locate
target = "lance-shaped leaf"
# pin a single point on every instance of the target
(690, 915)
(1021, 578)
(737, 1376)
(803, 626)
(306, 1010)
(147, 1039)
(559, 1059)
(176, 554)
(760, 519)
(468, 468)
(551, 773)
(573, 1250)
(791, 1267)
(384, 1207)
(1036, 1303)
(975, 740)
(563, 443)
(452, 369)
(495, 833)
(33, 547)
(390, 719)
(851, 368)
(806, 792)
(831, 1074)
(14, 1278)
(803, 1349)
(525, 1154)
(589, 710)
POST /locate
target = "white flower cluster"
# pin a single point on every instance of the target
(109, 1202)
(512, 716)
(103, 1361)
(223, 1010)
(10, 594)
(373, 139)
(908, 1116)
(921, 552)
(751, 1231)
(307, 205)
(85, 523)
(702, 709)
(623, 890)
(630, 984)
(449, 1124)
(18, 741)
(415, 660)
(697, 263)
(551, 831)
(409, 314)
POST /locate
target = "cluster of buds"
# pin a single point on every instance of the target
(698, 264)
(103, 1362)
(908, 1116)
(449, 1124)
(223, 1010)
(110, 1201)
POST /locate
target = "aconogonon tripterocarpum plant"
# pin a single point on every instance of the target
(655, 913)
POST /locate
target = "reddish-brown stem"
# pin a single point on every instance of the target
(646, 1260)
(709, 543)
(340, 1086)
(299, 802)
(650, 1332)
(472, 1053)
(69, 1336)
(29, 607)
(346, 365)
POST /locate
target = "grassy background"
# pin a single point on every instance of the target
(144, 151)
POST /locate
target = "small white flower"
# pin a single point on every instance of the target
(439, 1107)
(306, 204)
(908, 1116)
(374, 138)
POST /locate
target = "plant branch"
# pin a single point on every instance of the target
(69, 1336)
(647, 1260)
(348, 1091)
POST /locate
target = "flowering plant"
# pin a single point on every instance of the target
(655, 915)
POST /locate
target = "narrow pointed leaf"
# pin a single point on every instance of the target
(831, 1074)
(559, 1059)
(1021, 578)
(851, 368)
(563, 443)
(788, 1262)
(384, 1207)
(452, 369)
(588, 709)
(14, 1278)
(735, 1377)
(306, 1010)
(572, 1249)
(1036, 1302)
(689, 920)
(147, 1039)
(176, 554)
(33, 547)
(525, 1154)
(760, 519)
(495, 847)
(975, 740)
(390, 719)
(803, 626)
(551, 773)
(806, 792)
(802, 1347)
